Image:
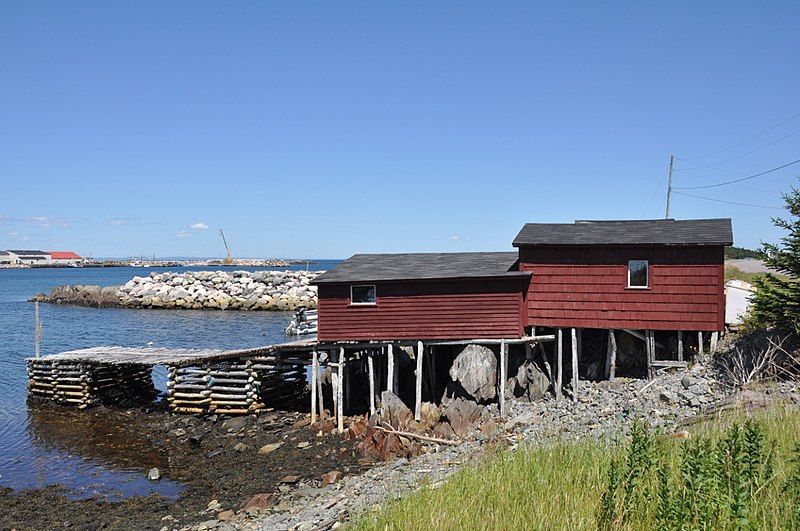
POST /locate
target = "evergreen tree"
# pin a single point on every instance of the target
(777, 301)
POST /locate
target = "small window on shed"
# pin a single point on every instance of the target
(363, 294)
(637, 274)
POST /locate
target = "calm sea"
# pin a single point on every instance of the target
(36, 451)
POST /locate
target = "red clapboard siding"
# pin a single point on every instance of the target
(586, 287)
(466, 308)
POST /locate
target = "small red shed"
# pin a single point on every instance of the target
(422, 296)
(643, 274)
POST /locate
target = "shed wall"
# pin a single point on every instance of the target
(457, 309)
(586, 287)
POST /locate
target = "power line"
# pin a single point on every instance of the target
(742, 186)
(762, 133)
(759, 148)
(736, 180)
(726, 202)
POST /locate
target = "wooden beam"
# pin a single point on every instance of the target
(714, 338)
(699, 342)
(650, 354)
(503, 369)
(314, 377)
(680, 345)
(390, 368)
(418, 373)
(546, 362)
(507, 341)
(611, 370)
(371, 368)
(574, 366)
(560, 363)
(643, 337)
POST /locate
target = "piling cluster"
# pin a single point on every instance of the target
(81, 385)
(233, 387)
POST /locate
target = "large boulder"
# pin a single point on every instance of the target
(463, 415)
(530, 383)
(475, 369)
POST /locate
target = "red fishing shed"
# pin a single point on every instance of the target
(422, 296)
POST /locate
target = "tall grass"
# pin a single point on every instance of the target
(733, 473)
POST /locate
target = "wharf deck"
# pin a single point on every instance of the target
(174, 357)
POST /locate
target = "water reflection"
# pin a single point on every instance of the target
(94, 453)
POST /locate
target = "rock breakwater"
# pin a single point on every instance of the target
(198, 290)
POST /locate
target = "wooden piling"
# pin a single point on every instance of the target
(574, 366)
(319, 389)
(560, 363)
(314, 377)
(611, 367)
(503, 369)
(680, 345)
(389, 368)
(371, 369)
(340, 403)
(418, 398)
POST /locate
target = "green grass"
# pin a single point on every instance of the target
(566, 485)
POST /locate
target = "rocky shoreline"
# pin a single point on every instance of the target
(198, 290)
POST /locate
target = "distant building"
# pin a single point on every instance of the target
(65, 258)
(30, 257)
(6, 259)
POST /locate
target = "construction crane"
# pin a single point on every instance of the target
(229, 259)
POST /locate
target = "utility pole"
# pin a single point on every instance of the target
(669, 186)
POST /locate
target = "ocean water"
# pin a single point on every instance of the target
(36, 449)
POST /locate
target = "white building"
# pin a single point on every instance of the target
(7, 259)
(29, 257)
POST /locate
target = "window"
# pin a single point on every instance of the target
(364, 294)
(637, 274)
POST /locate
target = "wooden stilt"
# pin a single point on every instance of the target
(503, 369)
(390, 368)
(560, 363)
(650, 353)
(680, 345)
(314, 377)
(714, 339)
(37, 330)
(371, 368)
(340, 392)
(319, 389)
(574, 366)
(611, 367)
(699, 342)
(418, 388)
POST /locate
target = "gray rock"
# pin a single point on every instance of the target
(154, 474)
(475, 368)
(395, 412)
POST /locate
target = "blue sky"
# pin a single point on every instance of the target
(323, 129)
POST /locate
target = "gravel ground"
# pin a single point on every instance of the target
(603, 410)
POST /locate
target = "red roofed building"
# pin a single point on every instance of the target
(65, 258)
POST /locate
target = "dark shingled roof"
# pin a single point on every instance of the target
(633, 232)
(26, 251)
(422, 266)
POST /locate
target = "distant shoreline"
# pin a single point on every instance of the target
(255, 262)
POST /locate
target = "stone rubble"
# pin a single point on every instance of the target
(215, 290)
